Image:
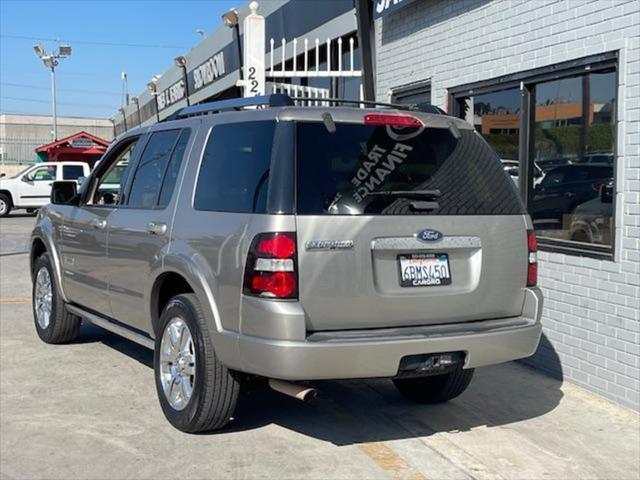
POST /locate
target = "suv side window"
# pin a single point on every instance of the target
(42, 174)
(151, 168)
(72, 172)
(171, 175)
(111, 183)
(234, 174)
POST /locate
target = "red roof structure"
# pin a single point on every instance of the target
(81, 146)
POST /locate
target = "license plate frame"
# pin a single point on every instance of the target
(429, 282)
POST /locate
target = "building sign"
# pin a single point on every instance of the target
(382, 8)
(171, 95)
(83, 142)
(208, 72)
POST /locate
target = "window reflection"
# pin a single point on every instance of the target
(496, 116)
(573, 146)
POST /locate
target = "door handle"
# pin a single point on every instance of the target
(98, 223)
(157, 228)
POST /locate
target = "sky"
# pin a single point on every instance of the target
(107, 37)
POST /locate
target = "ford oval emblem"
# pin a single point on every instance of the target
(429, 235)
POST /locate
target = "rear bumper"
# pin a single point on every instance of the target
(377, 352)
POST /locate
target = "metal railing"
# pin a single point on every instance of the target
(314, 70)
(20, 150)
(311, 95)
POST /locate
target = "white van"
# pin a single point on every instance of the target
(31, 188)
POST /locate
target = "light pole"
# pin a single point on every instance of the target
(231, 19)
(152, 86)
(181, 62)
(51, 61)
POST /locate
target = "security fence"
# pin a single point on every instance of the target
(19, 150)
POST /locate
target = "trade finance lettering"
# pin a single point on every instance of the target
(379, 164)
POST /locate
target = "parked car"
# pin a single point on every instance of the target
(31, 188)
(551, 163)
(512, 167)
(563, 189)
(294, 243)
(597, 158)
(591, 221)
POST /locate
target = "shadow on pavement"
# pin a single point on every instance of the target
(362, 411)
(21, 215)
(89, 333)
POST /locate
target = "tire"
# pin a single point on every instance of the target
(436, 388)
(5, 205)
(580, 236)
(53, 323)
(213, 388)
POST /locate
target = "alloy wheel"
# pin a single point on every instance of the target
(43, 298)
(177, 363)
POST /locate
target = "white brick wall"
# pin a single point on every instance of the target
(592, 307)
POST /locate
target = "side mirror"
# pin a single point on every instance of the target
(26, 178)
(3, 175)
(64, 192)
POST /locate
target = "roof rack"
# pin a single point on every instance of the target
(284, 100)
(274, 100)
(416, 107)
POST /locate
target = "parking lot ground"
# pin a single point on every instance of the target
(89, 410)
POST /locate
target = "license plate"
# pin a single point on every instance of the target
(424, 269)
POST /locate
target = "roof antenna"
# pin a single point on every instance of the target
(329, 124)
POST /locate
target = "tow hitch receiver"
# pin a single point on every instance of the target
(427, 364)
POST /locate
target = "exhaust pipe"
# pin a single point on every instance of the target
(294, 390)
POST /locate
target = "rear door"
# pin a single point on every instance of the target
(139, 228)
(401, 227)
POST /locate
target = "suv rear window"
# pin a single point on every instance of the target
(367, 170)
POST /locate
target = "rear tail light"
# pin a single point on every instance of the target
(384, 119)
(272, 264)
(532, 267)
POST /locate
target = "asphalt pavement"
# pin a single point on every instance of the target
(89, 410)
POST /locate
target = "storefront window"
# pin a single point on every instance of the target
(496, 116)
(574, 148)
(568, 146)
(412, 94)
(601, 124)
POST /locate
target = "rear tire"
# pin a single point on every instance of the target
(197, 393)
(436, 388)
(53, 323)
(5, 205)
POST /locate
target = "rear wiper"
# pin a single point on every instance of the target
(409, 193)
